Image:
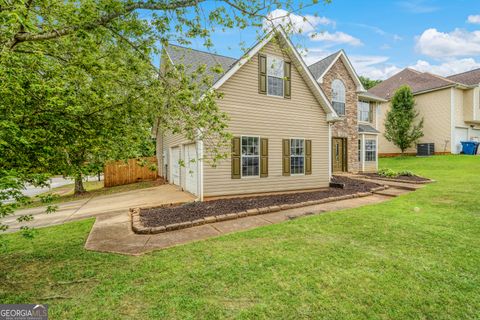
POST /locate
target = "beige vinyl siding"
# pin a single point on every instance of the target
(434, 107)
(468, 102)
(254, 114)
(459, 108)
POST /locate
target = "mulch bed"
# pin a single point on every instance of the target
(398, 178)
(153, 217)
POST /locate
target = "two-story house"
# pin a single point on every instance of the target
(355, 135)
(282, 121)
(450, 107)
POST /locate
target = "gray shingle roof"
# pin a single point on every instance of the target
(191, 59)
(319, 67)
(370, 96)
(418, 81)
(470, 78)
(366, 128)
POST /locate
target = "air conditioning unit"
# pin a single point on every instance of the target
(425, 149)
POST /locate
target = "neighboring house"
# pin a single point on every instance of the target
(355, 136)
(449, 107)
(280, 118)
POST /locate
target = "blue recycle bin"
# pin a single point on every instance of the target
(469, 147)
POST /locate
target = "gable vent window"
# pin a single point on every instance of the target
(338, 97)
(275, 74)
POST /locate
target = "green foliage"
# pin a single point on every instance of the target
(401, 127)
(387, 173)
(78, 87)
(368, 83)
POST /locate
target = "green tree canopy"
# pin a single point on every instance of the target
(78, 86)
(401, 125)
(368, 83)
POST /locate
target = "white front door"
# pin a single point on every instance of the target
(175, 165)
(461, 134)
(191, 168)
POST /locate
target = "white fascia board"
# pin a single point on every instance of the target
(350, 69)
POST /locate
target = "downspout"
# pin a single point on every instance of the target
(330, 150)
(362, 154)
(452, 121)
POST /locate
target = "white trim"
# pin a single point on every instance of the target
(476, 98)
(241, 157)
(350, 68)
(200, 169)
(289, 151)
(330, 150)
(452, 120)
(376, 154)
(363, 153)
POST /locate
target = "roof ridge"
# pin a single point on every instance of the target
(457, 74)
(202, 51)
(411, 69)
(330, 55)
(439, 77)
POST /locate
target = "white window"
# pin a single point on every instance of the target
(370, 150)
(364, 113)
(275, 75)
(250, 156)
(297, 156)
(338, 96)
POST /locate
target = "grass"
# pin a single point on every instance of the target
(93, 188)
(384, 261)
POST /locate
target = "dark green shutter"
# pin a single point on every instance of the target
(286, 157)
(263, 157)
(287, 83)
(370, 113)
(308, 156)
(262, 74)
(236, 158)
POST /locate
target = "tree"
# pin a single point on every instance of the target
(400, 126)
(78, 86)
(368, 83)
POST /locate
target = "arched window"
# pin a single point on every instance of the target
(338, 96)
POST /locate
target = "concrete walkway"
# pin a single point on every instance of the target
(112, 205)
(113, 232)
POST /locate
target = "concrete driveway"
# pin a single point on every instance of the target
(100, 205)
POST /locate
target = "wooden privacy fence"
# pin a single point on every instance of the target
(118, 173)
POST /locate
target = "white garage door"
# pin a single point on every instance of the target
(461, 134)
(191, 168)
(175, 165)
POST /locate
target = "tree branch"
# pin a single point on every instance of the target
(102, 21)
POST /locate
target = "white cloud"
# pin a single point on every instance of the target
(295, 23)
(314, 54)
(443, 45)
(417, 6)
(337, 37)
(447, 68)
(475, 19)
(374, 67)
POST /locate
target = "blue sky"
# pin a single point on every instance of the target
(383, 37)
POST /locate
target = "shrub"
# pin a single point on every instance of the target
(406, 173)
(388, 173)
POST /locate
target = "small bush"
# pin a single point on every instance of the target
(388, 173)
(406, 173)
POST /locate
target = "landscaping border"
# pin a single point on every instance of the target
(397, 180)
(138, 227)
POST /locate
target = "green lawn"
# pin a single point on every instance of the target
(378, 262)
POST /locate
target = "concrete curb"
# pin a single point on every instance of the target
(138, 227)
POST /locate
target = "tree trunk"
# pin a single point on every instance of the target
(79, 188)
